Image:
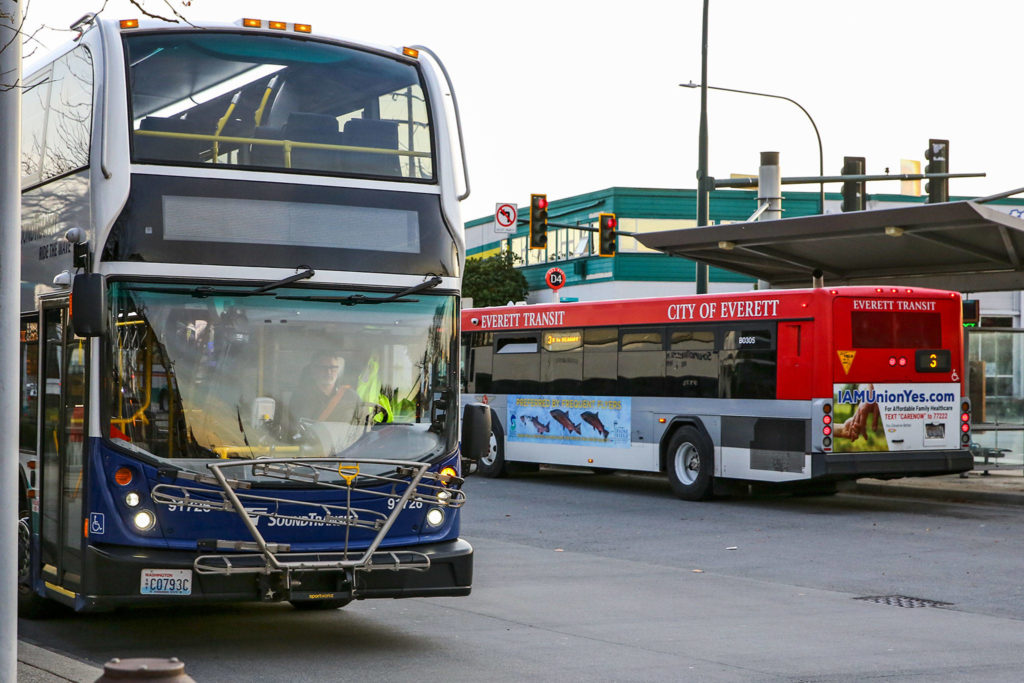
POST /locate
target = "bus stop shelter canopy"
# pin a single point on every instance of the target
(965, 246)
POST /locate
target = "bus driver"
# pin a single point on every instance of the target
(320, 396)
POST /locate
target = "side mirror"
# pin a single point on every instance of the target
(476, 431)
(89, 305)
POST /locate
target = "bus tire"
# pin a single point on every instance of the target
(492, 464)
(30, 604)
(690, 464)
(319, 605)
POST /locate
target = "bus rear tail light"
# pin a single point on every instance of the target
(965, 423)
(826, 427)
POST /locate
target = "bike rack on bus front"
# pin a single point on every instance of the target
(405, 482)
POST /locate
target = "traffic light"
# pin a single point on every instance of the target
(538, 221)
(606, 238)
(853, 190)
(937, 155)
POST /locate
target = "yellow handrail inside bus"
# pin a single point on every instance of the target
(287, 145)
(227, 452)
(266, 96)
(223, 121)
(140, 414)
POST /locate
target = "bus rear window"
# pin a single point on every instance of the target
(889, 330)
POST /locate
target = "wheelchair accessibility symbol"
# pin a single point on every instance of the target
(95, 522)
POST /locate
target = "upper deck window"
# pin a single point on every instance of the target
(276, 103)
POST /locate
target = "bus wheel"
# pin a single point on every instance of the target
(689, 464)
(318, 605)
(30, 604)
(492, 464)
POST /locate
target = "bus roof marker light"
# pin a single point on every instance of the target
(411, 52)
(129, 23)
(252, 23)
(277, 25)
(302, 28)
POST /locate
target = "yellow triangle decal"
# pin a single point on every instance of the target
(846, 358)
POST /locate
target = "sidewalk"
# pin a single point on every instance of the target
(1000, 487)
(38, 665)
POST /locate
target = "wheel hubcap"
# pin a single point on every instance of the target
(492, 452)
(687, 463)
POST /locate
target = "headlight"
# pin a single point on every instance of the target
(132, 499)
(144, 520)
(435, 517)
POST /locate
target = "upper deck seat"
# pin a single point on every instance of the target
(151, 147)
(372, 133)
(309, 127)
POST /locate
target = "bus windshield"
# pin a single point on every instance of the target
(198, 373)
(276, 103)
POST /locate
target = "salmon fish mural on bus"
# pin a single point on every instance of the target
(581, 420)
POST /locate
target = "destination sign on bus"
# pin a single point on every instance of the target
(892, 305)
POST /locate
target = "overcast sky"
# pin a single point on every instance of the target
(571, 96)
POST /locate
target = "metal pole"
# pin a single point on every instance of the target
(10, 304)
(821, 151)
(703, 191)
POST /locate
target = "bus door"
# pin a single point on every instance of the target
(62, 467)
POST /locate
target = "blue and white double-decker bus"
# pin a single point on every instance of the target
(241, 267)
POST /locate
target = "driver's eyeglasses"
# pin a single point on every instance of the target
(335, 368)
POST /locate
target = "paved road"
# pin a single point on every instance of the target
(583, 577)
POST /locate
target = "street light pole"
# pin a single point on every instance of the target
(703, 191)
(821, 155)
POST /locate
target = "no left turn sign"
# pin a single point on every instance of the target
(505, 215)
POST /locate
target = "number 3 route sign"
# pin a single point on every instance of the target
(555, 278)
(505, 215)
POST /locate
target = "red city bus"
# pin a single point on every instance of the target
(800, 387)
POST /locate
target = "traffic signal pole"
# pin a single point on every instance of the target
(703, 186)
(814, 179)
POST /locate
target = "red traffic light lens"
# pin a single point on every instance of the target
(542, 203)
(612, 222)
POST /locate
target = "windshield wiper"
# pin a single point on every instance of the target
(356, 299)
(204, 290)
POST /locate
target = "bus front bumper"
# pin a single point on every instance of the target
(889, 465)
(115, 579)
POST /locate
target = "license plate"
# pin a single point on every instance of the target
(166, 582)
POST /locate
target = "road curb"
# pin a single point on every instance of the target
(37, 664)
(945, 494)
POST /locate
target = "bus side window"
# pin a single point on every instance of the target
(692, 362)
(601, 362)
(561, 362)
(517, 363)
(748, 361)
(28, 406)
(481, 361)
(642, 361)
